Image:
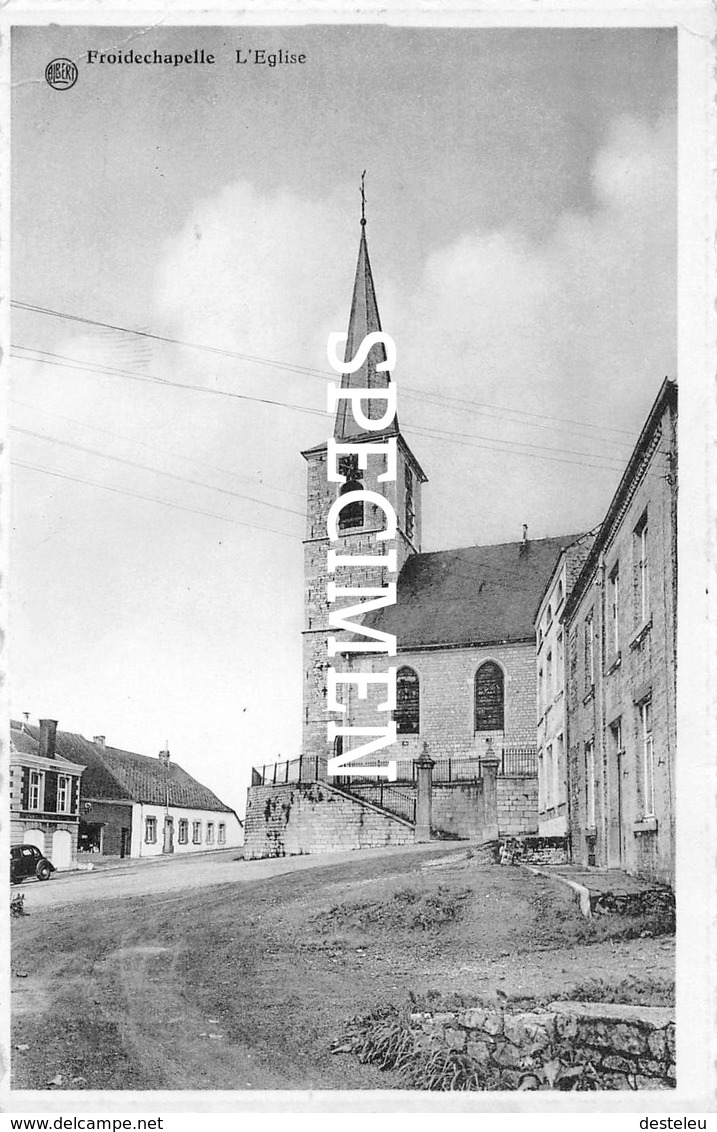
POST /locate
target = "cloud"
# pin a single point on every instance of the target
(577, 324)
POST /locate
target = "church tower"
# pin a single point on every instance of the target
(359, 520)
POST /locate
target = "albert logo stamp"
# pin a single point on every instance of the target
(61, 74)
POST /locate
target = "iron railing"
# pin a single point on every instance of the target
(388, 797)
(520, 761)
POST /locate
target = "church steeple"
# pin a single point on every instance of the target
(364, 319)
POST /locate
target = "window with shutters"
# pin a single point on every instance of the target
(489, 706)
(64, 794)
(613, 612)
(407, 712)
(589, 653)
(36, 791)
(590, 784)
(642, 570)
(648, 759)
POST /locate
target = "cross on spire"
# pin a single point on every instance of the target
(363, 199)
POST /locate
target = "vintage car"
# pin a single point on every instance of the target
(28, 861)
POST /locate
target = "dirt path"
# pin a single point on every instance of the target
(247, 985)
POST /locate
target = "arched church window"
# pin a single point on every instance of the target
(351, 515)
(489, 697)
(407, 713)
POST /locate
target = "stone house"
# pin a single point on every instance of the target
(550, 658)
(131, 805)
(620, 625)
(44, 793)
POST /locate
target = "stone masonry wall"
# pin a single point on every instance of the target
(311, 817)
(517, 805)
(447, 699)
(618, 1047)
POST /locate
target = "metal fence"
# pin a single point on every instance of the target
(521, 761)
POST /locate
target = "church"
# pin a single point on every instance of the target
(463, 619)
(464, 622)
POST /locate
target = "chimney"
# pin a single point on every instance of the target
(99, 740)
(524, 544)
(164, 757)
(25, 722)
(48, 730)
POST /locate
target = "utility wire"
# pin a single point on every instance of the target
(517, 444)
(152, 499)
(154, 447)
(293, 367)
(157, 471)
(105, 371)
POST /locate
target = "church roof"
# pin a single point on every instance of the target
(475, 595)
(363, 320)
(115, 775)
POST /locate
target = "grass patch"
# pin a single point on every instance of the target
(407, 909)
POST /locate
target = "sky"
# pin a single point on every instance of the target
(522, 230)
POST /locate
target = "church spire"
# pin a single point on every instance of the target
(364, 319)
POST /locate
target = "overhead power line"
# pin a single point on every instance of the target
(308, 371)
(106, 371)
(152, 499)
(154, 447)
(157, 471)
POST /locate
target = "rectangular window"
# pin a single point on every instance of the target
(642, 569)
(648, 759)
(196, 833)
(64, 794)
(210, 833)
(613, 598)
(410, 510)
(37, 781)
(183, 832)
(222, 833)
(589, 653)
(590, 784)
(616, 736)
(150, 831)
(557, 765)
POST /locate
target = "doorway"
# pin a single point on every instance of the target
(124, 842)
(168, 846)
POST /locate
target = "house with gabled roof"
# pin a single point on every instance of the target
(44, 793)
(132, 805)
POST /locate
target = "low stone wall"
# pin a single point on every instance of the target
(612, 1046)
(517, 805)
(458, 808)
(311, 817)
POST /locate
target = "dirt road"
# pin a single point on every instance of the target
(246, 983)
(175, 874)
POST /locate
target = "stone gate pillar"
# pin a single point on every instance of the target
(489, 763)
(424, 767)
